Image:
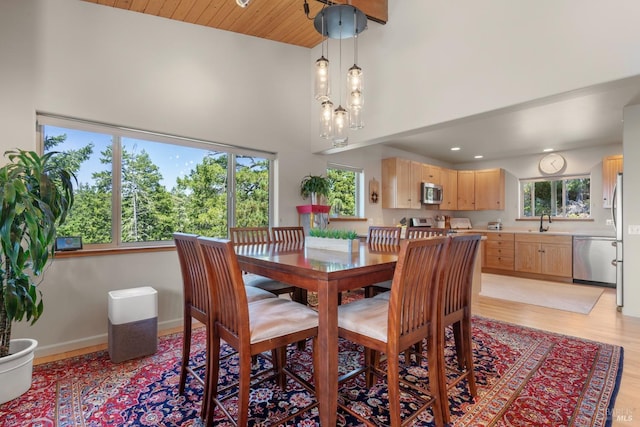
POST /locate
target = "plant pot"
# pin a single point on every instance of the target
(342, 245)
(16, 369)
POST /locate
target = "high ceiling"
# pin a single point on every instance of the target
(583, 118)
(280, 20)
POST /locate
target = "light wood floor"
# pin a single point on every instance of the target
(604, 324)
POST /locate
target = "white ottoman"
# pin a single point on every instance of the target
(133, 323)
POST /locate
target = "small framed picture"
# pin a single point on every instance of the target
(72, 243)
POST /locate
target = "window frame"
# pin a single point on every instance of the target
(119, 132)
(563, 178)
(359, 188)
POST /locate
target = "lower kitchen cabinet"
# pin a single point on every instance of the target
(543, 255)
(499, 251)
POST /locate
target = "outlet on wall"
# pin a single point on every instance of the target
(609, 221)
(634, 229)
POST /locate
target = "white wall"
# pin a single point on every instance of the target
(436, 61)
(433, 61)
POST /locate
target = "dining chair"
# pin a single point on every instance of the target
(382, 239)
(251, 329)
(425, 232)
(410, 314)
(287, 234)
(379, 235)
(197, 300)
(456, 302)
(259, 236)
(291, 235)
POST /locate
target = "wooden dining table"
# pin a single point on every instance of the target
(327, 273)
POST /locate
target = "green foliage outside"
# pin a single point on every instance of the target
(150, 212)
(569, 198)
(342, 196)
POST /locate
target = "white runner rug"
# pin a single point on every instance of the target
(562, 296)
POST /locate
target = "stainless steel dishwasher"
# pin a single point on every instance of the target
(592, 257)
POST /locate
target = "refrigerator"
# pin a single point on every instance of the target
(616, 213)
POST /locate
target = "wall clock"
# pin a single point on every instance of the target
(552, 164)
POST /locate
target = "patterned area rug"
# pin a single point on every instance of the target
(525, 377)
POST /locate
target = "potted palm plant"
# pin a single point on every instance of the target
(315, 186)
(36, 195)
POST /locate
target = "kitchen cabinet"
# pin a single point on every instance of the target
(432, 174)
(466, 190)
(543, 255)
(481, 189)
(611, 166)
(449, 182)
(401, 180)
(489, 189)
(499, 251)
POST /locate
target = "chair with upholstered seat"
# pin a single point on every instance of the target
(456, 297)
(269, 324)
(382, 239)
(197, 301)
(410, 314)
(258, 236)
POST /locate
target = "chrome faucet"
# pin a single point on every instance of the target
(541, 218)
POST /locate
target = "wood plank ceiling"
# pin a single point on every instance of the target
(278, 20)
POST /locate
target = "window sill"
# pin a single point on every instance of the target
(113, 251)
(346, 219)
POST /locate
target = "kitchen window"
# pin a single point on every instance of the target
(561, 197)
(347, 189)
(137, 188)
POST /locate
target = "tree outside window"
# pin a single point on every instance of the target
(568, 197)
(346, 190)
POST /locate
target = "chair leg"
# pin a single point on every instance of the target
(371, 361)
(460, 345)
(279, 358)
(393, 385)
(211, 381)
(186, 350)
(438, 379)
(468, 356)
(244, 384)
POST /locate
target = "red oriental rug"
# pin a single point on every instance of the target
(525, 377)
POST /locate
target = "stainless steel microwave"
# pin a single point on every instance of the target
(431, 193)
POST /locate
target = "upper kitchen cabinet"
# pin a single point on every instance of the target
(466, 190)
(481, 190)
(611, 165)
(449, 182)
(432, 174)
(490, 189)
(401, 180)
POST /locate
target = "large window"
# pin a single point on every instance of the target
(346, 195)
(136, 187)
(562, 197)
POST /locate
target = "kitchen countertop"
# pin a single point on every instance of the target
(595, 233)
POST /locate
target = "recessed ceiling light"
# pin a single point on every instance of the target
(455, 148)
(546, 150)
(479, 156)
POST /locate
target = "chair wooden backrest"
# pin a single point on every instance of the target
(378, 235)
(249, 235)
(425, 232)
(287, 234)
(459, 275)
(414, 303)
(231, 309)
(197, 295)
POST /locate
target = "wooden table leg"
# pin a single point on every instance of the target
(327, 377)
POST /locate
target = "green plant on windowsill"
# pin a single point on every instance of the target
(333, 234)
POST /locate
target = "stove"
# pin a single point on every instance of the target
(422, 222)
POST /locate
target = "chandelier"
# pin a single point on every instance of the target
(340, 21)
